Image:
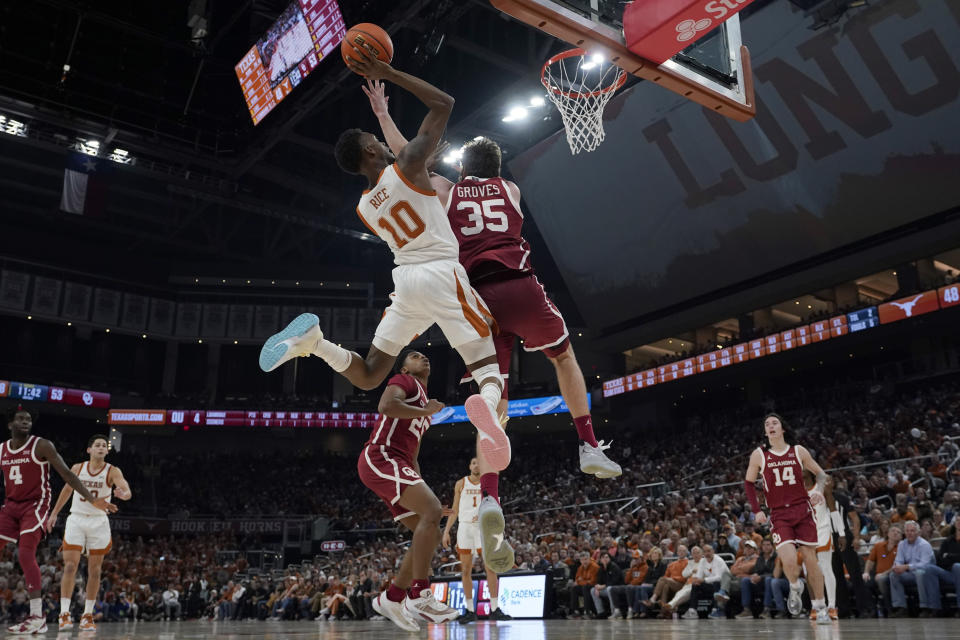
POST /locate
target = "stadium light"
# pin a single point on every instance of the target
(598, 58)
(537, 101)
(587, 66)
(516, 113)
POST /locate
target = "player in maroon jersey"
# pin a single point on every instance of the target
(791, 515)
(485, 215)
(25, 462)
(388, 466)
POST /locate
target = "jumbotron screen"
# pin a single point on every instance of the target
(301, 37)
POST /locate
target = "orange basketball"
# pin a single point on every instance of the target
(369, 36)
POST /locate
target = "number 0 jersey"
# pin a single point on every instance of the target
(783, 478)
(409, 219)
(96, 484)
(25, 477)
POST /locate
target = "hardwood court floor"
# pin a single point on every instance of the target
(910, 629)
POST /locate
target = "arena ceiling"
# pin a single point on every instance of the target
(212, 194)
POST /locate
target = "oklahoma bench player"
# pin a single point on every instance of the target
(88, 529)
(25, 461)
(388, 466)
(791, 514)
(466, 506)
(430, 284)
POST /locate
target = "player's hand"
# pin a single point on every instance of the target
(842, 542)
(123, 494)
(103, 505)
(433, 406)
(866, 576)
(446, 512)
(446, 540)
(816, 498)
(760, 517)
(50, 523)
(368, 65)
(378, 98)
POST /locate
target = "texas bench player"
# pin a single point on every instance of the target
(791, 515)
(388, 466)
(88, 529)
(25, 462)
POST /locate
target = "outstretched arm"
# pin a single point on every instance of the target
(392, 405)
(412, 161)
(48, 452)
(61, 502)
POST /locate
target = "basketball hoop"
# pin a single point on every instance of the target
(581, 89)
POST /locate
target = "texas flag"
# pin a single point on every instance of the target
(85, 184)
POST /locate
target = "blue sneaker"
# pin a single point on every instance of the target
(299, 338)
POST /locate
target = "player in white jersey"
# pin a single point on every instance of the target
(430, 285)
(88, 529)
(467, 496)
(829, 521)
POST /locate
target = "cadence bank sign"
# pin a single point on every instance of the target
(659, 30)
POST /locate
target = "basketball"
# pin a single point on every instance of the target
(373, 38)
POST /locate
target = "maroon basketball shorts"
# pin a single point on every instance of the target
(521, 308)
(794, 524)
(387, 473)
(23, 518)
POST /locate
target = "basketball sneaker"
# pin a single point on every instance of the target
(823, 616)
(428, 608)
(499, 614)
(795, 599)
(467, 617)
(298, 339)
(66, 622)
(394, 612)
(593, 460)
(30, 626)
(494, 443)
(497, 552)
(86, 622)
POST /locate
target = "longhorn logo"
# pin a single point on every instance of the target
(907, 307)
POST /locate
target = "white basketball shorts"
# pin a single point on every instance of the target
(88, 534)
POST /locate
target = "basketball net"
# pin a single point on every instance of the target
(580, 89)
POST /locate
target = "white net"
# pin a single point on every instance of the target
(581, 87)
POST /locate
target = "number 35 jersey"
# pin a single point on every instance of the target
(409, 219)
(783, 478)
(26, 478)
(488, 222)
(96, 484)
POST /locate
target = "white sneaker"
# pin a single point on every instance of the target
(428, 608)
(298, 339)
(593, 460)
(66, 622)
(30, 626)
(394, 612)
(691, 614)
(795, 600)
(823, 616)
(493, 443)
(496, 551)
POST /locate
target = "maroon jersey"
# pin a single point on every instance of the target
(487, 222)
(403, 435)
(783, 478)
(25, 477)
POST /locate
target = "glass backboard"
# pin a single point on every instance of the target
(713, 71)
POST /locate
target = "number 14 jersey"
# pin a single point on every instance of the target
(783, 478)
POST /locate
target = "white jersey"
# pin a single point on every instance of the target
(97, 485)
(470, 497)
(409, 219)
(821, 515)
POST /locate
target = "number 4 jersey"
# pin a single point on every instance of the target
(25, 477)
(409, 219)
(783, 478)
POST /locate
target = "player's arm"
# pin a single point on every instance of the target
(750, 485)
(392, 405)
(412, 160)
(396, 140)
(65, 494)
(119, 483)
(457, 490)
(48, 452)
(808, 463)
